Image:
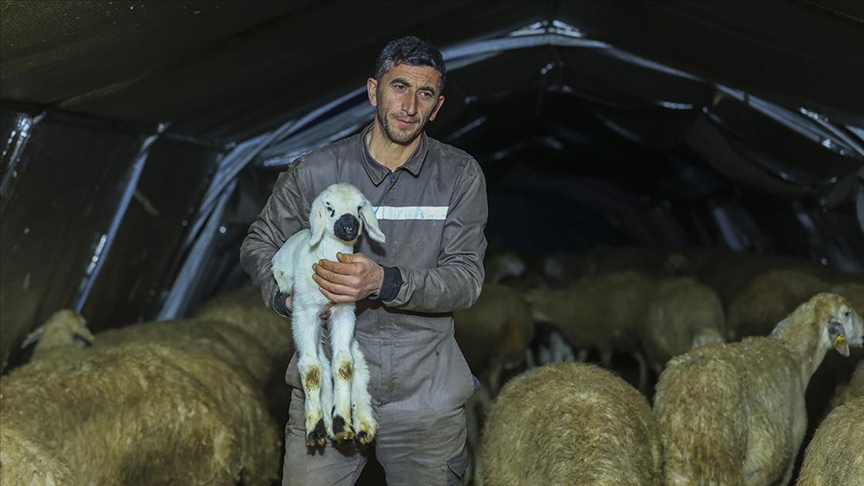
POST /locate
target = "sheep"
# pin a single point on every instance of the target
(601, 312)
(682, 314)
(62, 332)
(143, 413)
(495, 332)
(338, 216)
(734, 413)
(767, 298)
(31, 462)
(234, 329)
(834, 455)
(570, 423)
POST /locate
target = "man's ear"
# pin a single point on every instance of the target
(437, 107)
(372, 91)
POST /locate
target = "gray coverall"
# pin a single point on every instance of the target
(433, 212)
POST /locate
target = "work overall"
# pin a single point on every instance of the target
(433, 212)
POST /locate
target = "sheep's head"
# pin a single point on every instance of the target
(843, 325)
(64, 327)
(342, 211)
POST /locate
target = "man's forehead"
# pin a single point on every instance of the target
(416, 75)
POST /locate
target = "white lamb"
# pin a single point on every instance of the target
(339, 214)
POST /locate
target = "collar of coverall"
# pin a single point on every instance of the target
(378, 172)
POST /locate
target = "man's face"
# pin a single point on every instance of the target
(405, 99)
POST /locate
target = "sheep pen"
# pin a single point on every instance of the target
(571, 423)
(734, 413)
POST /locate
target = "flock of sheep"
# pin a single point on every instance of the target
(613, 367)
(189, 401)
(724, 346)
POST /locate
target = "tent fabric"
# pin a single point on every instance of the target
(140, 137)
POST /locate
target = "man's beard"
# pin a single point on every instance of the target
(395, 136)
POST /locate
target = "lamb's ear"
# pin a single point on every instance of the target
(317, 222)
(370, 222)
(838, 337)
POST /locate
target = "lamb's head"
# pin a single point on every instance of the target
(343, 212)
(841, 325)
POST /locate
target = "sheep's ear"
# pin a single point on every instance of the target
(85, 334)
(370, 222)
(838, 337)
(317, 222)
(33, 337)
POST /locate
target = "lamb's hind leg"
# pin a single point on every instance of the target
(342, 321)
(307, 335)
(364, 418)
(326, 391)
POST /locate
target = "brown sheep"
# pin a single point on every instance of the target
(573, 424)
(734, 413)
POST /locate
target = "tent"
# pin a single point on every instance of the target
(140, 138)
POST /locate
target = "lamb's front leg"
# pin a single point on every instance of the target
(342, 321)
(307, 335)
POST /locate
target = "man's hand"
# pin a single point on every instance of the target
(353, 277)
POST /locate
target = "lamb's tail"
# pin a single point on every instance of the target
(698, 405)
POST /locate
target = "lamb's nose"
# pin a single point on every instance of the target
(346, 227)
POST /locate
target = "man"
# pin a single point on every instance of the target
(430, 201)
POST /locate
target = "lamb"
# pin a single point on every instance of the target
(571, 423)
(682, 314)
(734, 413)
(338, 216)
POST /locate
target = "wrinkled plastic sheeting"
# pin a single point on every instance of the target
(65, 185)
(91, 218)
(149, 250)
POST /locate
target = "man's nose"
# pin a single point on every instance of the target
(409, 106)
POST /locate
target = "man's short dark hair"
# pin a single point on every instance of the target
(414, 52)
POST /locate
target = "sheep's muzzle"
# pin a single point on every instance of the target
(347, 227)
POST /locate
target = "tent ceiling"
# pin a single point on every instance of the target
(229, 70)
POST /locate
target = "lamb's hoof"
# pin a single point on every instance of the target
(317, 437)
(365, 437)
(340, 430)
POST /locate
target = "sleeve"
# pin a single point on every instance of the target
(281, 217)
(457, 281)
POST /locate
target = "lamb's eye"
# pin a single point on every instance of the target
(847, 314)
(359, 208)
(331, 210)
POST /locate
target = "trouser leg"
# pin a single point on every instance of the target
(327, 466)
(422, 446)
